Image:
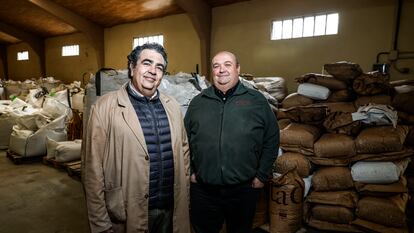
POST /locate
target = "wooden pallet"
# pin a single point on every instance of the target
(53, 163)
(74, 169)
(18, 159)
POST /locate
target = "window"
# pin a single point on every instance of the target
(70, 50)
(148, 39)
(23, 55)
(318, 25)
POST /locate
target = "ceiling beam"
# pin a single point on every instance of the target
(93, 32)
(200, 14)
(36, 43)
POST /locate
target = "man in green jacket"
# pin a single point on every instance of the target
(234, 139)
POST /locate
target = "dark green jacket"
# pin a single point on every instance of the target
(231, 141)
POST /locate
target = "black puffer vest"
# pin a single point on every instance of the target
(156, 129)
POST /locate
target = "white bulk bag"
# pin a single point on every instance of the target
(77, 101)
(1, 93)
(6, 126)
(110, 80)
(183, 87)
(36, 97)
(68, 151)
(275, 86)
(313, 91)
(49, 83)
(54, 108)
(17, 103)
(50, 148)
(27, 143)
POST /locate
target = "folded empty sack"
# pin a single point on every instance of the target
(313, 91)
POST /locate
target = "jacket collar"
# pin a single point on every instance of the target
(123, 99)
(210, 92)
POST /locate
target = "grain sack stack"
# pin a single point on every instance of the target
(328, 151)
(333, 122)
(402, 102)
(381, 158)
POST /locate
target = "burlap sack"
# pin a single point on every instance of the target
(374, 99)
(346, 71)
(342, 123)
(275, 86)
(345, 95)
(405, 118)
(385, 156)
(409, 140)
(382, 190)
(322, 80)
(381, 139)
(314, 115)
(332, 162)
(340, 107)
(286, 203)
(329, 226)
(334, 145)
(332, 179)
(385, 211)
(299, 138)
(404, 102)
(372, 83)
(333, 214)
(290, 160)
(280, 114)
(347, 199)
(410, 183)
(283, 123)
(368, 226)
(296, 99)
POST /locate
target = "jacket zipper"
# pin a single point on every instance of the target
(222, 105)
(155, 120)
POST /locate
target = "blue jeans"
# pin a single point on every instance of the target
(211, 206)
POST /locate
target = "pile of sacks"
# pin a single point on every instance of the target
(33, 125)
(45, 112)
(33, 91)
(346, 130)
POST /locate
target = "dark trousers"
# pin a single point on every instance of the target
(160, 220)
(211, 206)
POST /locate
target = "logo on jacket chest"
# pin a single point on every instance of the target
(243, 102)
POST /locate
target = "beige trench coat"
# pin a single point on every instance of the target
(115, 172)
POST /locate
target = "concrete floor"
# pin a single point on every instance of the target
(35, 198)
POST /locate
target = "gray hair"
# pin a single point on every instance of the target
(133, 57)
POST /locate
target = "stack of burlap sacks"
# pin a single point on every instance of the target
(357, 164)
